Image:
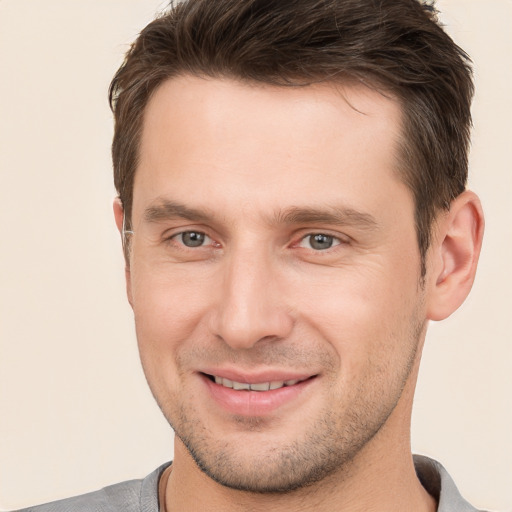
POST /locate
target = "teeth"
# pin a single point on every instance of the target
(264, 386)
(261, 386)
(241, 385)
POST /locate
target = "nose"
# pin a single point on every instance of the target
(252, 306)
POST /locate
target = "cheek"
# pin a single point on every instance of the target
(364, 314)
(167, 310)
(166, 316)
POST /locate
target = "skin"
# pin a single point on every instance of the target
(258, 170)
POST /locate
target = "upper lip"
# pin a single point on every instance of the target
(257, 377)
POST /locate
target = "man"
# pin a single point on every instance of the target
(292, 205)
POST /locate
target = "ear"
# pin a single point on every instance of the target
(456, 247)
(118, 214)
(119, 218)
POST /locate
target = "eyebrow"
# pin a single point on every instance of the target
(336, 215)
(169, 210)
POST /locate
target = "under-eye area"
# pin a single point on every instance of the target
(259, 386)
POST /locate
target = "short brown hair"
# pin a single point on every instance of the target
(395, 46)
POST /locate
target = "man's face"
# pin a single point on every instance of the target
(274, 246)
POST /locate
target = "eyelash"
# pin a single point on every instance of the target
(335, 240)
(181, 244)
(316, 237)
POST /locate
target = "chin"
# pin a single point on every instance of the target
(280, 472)
(251, 463)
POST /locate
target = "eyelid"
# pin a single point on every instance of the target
(305, 242)
(298, 238)
(303, 234)
(183, 231)
(172, 231)
(209, 240)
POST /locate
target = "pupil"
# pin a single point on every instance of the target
(321, 242)
(193, 238)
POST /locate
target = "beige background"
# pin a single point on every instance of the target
(75, 413)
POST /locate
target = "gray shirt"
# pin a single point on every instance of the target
(142, 495)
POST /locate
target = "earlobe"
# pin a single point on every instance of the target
(454, 255)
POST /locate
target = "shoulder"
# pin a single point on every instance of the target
(122, 496)
(436, 480)
(130, 496)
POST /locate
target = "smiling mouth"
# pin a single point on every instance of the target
(260, 386)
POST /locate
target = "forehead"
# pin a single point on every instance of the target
(217, 140)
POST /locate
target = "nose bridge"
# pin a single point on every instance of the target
(251, 306)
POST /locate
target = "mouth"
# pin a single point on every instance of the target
(264, 395)
(258, 386)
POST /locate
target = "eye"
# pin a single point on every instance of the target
(193, 238)
(319, 241)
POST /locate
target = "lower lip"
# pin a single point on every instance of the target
(255, 403)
